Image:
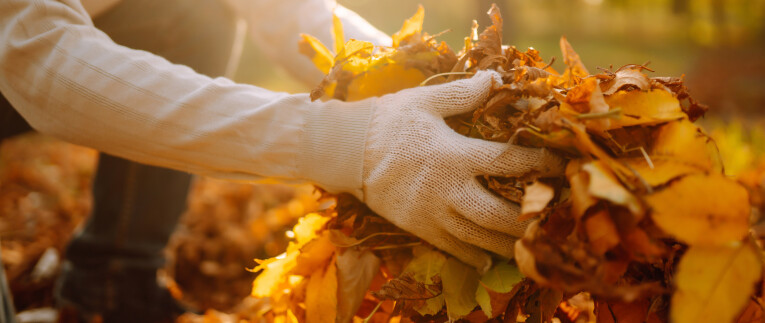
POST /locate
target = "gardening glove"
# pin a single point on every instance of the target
(421, 175)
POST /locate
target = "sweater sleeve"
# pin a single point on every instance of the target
(68, 79)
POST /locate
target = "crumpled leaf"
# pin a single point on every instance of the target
(337, 34)
(321, 295)
(702, 209)
(576, 69)
(490, 40)
(524, 257)
(542, 305)
(424, 267)
(317, 52)
(605, 186)
(714, 283)
(314, 255)
(275, 270)
(493, 293)
(460, 282)
(601, 232)
(628, 77)
(412, 27)
(355, 271)
(535, 198)
(407, 292)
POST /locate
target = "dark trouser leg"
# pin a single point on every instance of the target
(11, 122)
(6, 303)
(112, 262)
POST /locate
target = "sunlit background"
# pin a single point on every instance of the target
(717, 44)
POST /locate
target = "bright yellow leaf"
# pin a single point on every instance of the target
(305, 229)
(275, 271)
(412, 27)
(321, 295)
(390, 78)
(685, 142)
(663, 169)
(714, 283)
(355, 55)
(604, 185)
(337, 33)
(644, 108)
(314, 255)
(317, 52)
(702, 209)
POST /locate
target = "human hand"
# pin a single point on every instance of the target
(421, 175)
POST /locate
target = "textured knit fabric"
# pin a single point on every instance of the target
(421, 175)
(70, 80)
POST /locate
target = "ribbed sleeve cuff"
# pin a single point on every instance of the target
(333, 143)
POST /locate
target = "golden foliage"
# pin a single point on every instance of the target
(642, 209)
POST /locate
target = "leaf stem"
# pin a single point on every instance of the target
(597, 115)
(425, 82)
(366, 319)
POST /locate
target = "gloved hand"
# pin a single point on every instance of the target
(421, 175)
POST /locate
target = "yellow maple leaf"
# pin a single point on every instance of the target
(337, 33)
(685, 142)
(378, 82)
(702, 209)
(321, 295)
(644, 108)
(317, 52)
(412, 27)
(714, 283)
(660, 170)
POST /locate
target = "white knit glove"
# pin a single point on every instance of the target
(421, 175)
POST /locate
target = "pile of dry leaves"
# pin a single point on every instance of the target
(643, 227)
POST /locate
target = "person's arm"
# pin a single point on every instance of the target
(395, 152)
(276, 25)
(70, 80)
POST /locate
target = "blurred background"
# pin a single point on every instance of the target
(717, 45)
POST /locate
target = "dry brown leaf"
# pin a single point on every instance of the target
(355, 271)
(601, 232)
(535, 198)
(629, 77)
